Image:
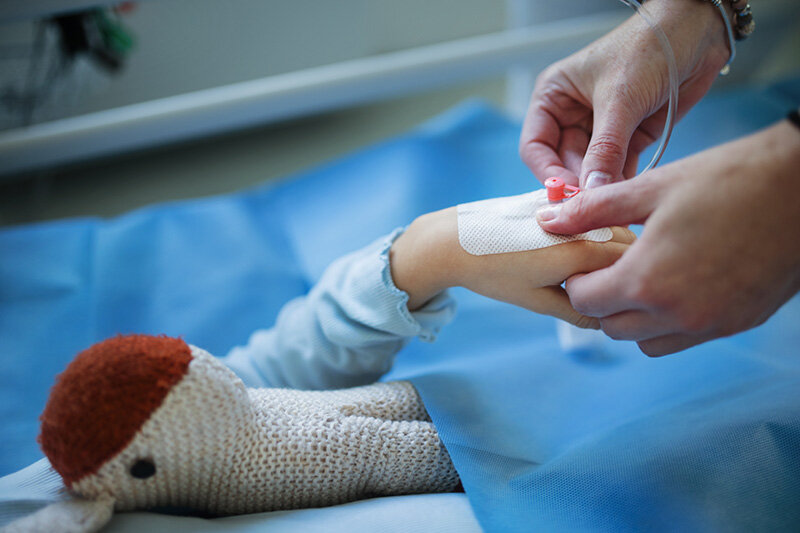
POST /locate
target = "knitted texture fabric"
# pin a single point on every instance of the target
(77, 444)
(508, 224)
(216, 446)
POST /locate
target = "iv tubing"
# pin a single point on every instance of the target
(672, 71)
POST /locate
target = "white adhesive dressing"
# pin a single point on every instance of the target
(501, 225)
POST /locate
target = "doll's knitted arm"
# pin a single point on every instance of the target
(345, 332)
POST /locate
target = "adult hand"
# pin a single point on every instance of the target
(592, 114)
(720, 250)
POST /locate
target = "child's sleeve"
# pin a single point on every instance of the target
(344, 332)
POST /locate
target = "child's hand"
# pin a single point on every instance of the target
(428, 258)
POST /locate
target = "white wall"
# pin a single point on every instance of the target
(186, 45)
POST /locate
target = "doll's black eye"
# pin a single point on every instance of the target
(143, 469)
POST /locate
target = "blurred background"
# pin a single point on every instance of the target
(105, 107)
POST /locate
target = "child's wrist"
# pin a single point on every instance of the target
(424, 260)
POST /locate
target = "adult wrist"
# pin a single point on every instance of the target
(693, 14)
(695, 30)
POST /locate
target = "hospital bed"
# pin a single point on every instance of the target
(604, 439)
(599, 439)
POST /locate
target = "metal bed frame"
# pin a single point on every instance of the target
(515, 52)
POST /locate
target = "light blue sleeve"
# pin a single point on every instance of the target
(344, 332)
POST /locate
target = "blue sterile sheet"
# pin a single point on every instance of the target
(605, 439)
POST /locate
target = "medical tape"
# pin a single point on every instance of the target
(502, 225)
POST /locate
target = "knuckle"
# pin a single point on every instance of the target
(578, 208)
(607, 147)
(586, 210)
(548, 74)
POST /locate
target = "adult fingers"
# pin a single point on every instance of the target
(614, 124)
(539, 142)
(574, 141)
(601, 293)
(618, 204)
(636, 325)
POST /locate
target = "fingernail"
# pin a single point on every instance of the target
(596, 179)
(546, 214)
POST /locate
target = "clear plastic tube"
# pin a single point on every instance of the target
(674, 83)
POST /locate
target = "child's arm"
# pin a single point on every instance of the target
(345, 332)
(370, 303)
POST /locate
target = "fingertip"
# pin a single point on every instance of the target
(597, 178)
(608, 148)
(574, 288)
(556, 227)
(597, 293)
(572, 279)
(548, 214)
(554, 219)
(622, 235)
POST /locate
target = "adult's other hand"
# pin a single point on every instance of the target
(592, 114)
(720, 250)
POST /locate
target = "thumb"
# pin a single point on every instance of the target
(605, 156)
(618, 204)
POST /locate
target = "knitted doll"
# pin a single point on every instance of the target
(140, 422)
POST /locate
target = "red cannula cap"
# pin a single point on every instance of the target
(556, 189)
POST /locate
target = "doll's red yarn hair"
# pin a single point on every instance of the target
(104, 396)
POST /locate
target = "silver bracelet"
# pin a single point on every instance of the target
(729, 33)
(743, 25)
(743, 19)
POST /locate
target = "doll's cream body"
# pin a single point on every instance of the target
(225, 449)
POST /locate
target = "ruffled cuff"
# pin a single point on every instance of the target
(346, 331)
(428, 320)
